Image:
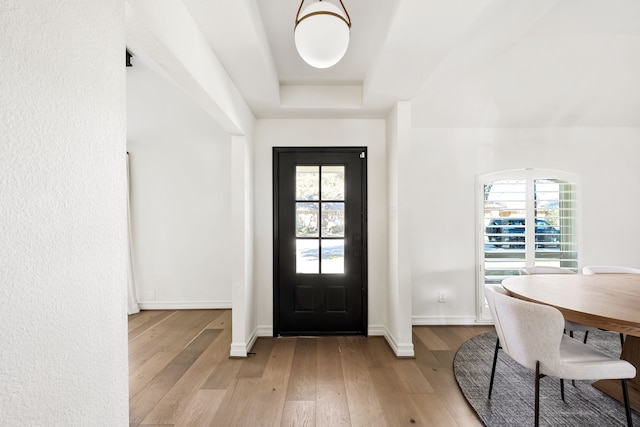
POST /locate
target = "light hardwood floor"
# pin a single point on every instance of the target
(180, 375)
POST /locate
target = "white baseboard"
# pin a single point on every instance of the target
(184, 305)
(243, 349)
(399, 349)
(238, 350)
(376, 330)
(265, 330)
(449, 320)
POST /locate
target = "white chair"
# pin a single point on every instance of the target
(602, 269)
(532, 335)
(500, 289)
(568, 325)
(545, 270)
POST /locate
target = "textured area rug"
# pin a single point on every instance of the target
(512, 400)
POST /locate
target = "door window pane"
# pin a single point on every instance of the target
(307, 259)
(307, 219)
(333, 256)
(333, 219)
(307, 182)
(332, 182)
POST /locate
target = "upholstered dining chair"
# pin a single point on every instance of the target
(603, 269)
(532, 335)
(503, 291)
(499, 289)
(608, 269)
(568, 325)
(546, 270)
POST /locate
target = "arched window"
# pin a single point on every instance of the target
(526, 218)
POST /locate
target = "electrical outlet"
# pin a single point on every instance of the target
(152, 295)
(441, 297)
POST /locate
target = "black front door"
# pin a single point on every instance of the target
(320, 245)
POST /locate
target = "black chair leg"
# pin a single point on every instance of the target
(493, 369)
(562, 389)
(585, 341)
(586, 334)
(625, 395)
(536, 422)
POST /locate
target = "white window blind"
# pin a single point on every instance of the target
(529, 218)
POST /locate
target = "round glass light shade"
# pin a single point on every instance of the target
(321, 39)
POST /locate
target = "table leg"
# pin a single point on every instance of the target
(630, 353)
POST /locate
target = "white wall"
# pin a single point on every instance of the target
(445, 165)
(181, 196)
(284, 133)
(63, 272)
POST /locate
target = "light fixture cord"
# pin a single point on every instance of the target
(346, 13)
(298, 14)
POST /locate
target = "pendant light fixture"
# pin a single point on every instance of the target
(322, 33)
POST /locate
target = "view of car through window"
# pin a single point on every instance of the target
(511, 232)
(507, 205)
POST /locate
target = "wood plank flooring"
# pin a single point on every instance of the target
(180, 375)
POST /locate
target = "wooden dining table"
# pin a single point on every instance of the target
(606, 301)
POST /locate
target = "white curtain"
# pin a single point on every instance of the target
(132, 300)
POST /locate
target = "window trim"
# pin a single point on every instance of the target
(528, 174)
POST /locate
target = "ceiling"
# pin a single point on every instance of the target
(462, 63)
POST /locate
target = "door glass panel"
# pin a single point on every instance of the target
(307, 219)
(333, 219)
(307, 182)
(320, 219)
(333, 256)
(332, 183)
(307, 259)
